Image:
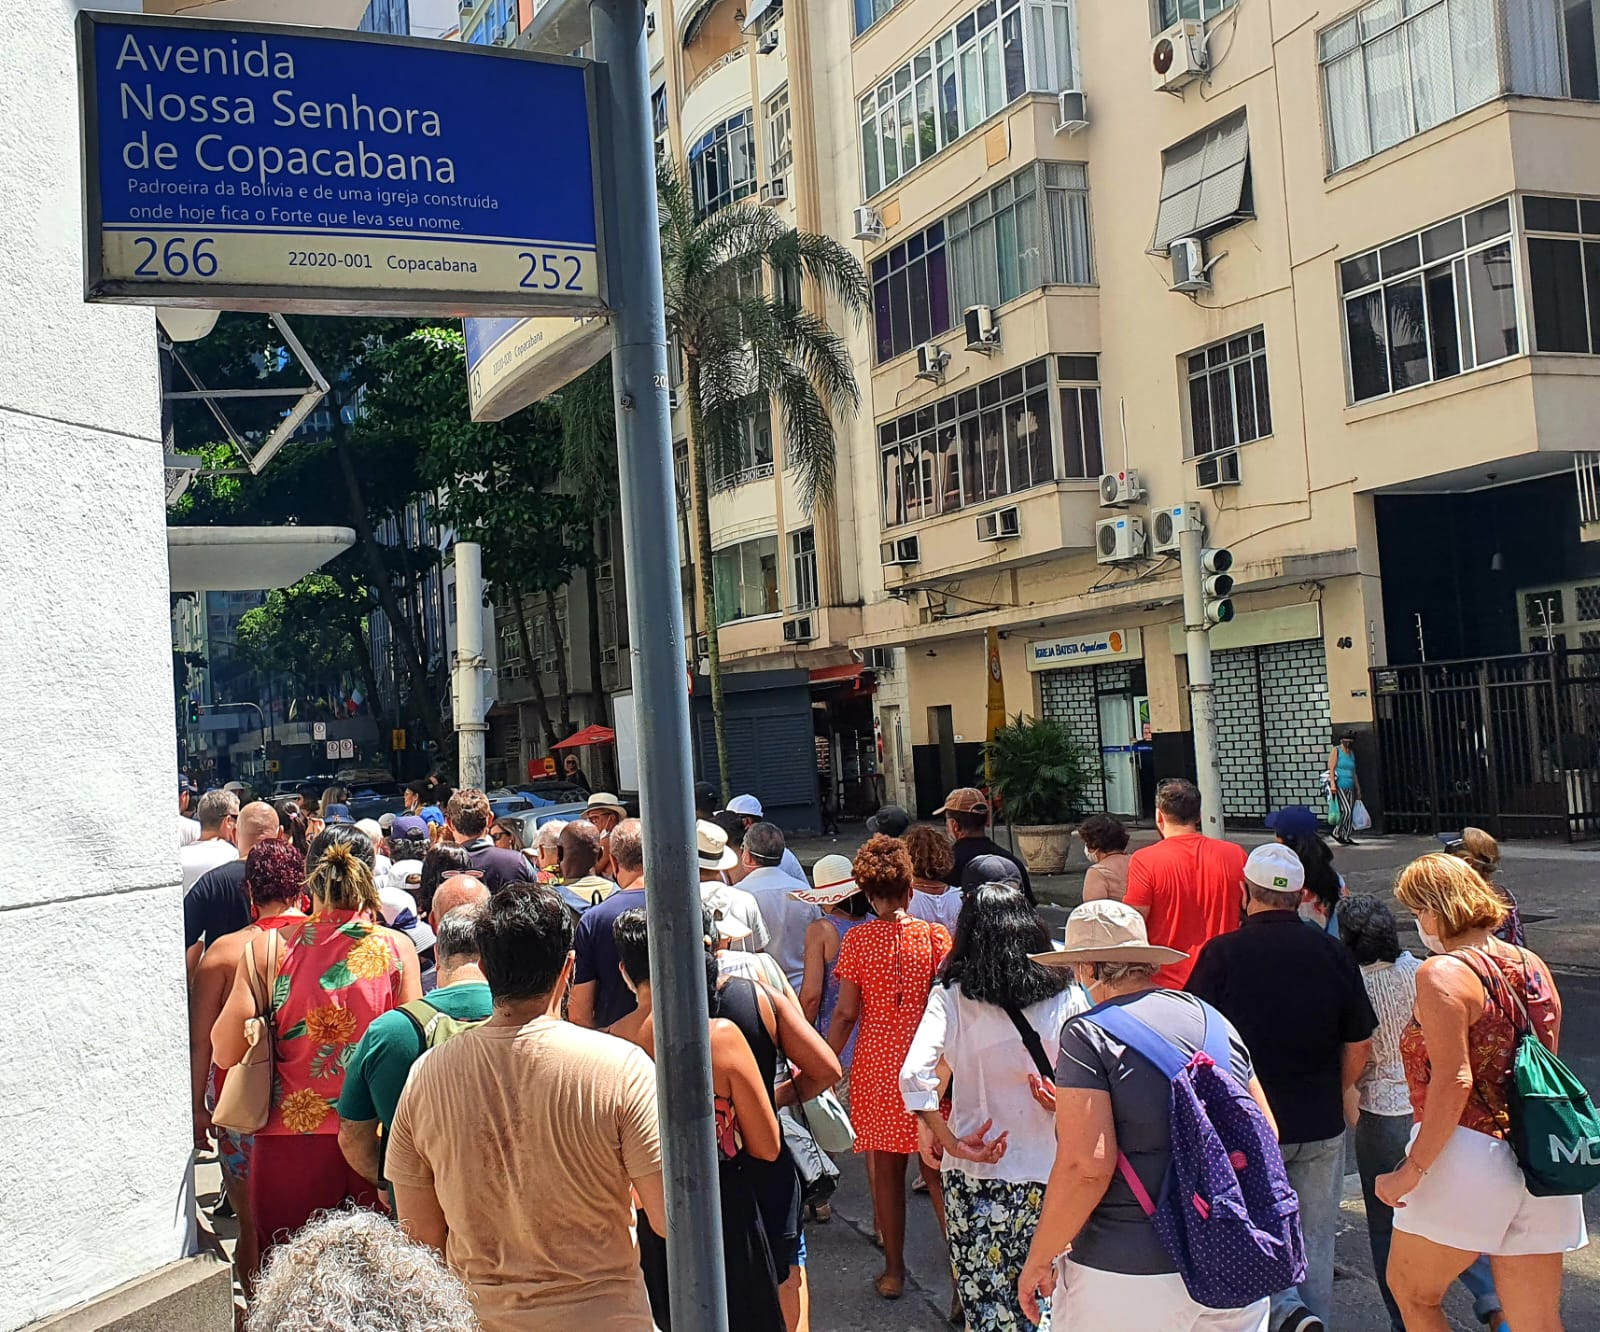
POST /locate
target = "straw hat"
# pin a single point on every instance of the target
(834, 881)
(1107, 931)
(711, 843)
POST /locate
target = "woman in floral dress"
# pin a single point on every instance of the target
(886, 968)
(337, 970)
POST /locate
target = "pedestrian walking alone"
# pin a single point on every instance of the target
(995, 1021)
(886, 968)
(1346, 788)
(1459, 1191)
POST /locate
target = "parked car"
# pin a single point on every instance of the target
(528, 822)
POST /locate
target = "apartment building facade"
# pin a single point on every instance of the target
(1372, 391)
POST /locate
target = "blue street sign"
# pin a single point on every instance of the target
(260, 167)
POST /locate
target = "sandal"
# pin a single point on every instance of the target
(888, 1287)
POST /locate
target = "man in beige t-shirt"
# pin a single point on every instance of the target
(515, 1144)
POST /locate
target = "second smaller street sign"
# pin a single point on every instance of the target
(239, 166)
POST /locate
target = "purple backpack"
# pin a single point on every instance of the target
(1227, 1215)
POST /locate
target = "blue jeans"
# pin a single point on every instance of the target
(1316, 1169)
(1380, 1144)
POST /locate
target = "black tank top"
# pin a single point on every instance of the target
(738, 1002)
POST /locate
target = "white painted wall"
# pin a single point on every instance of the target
(94, 1124)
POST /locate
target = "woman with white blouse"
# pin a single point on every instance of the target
(995, 1020)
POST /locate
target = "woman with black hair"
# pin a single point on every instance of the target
(748, 1138)
(1324, 888)
(995, 1019)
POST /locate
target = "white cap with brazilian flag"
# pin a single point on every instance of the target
(1276, 868)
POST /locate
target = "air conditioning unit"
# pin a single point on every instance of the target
(1167, 525)
(702, 645)
(900, 550)
(982, 335)
(511, 30)
(767, 43)
(931, 361)
(799, 630)
(673, 400)
(467, 6)
(1000, 524)
(499, 39)
(880, 660)
(605, 571)
(608, 656)
(1178, 56)
(548, 666)
(775, 190)
(1119, 540)
(1190, 272)
(1072, 112)
(650, 25)
(1220, 469)
(869, 226)
(1120, 489)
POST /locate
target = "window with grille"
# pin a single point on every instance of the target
(780, 142)
(987, 60)
(1431, 305)
(1399, 67)
(1228, 400)
(1081, 454)
(722, 165)
(976, 445)
(803, 569)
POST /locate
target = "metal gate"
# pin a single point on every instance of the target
(1508, 744)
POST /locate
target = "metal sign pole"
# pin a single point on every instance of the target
(655, 617)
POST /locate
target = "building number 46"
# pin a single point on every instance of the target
(175, 260)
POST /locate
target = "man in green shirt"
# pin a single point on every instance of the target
(394, 1042)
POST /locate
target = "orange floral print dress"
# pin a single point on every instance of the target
(337, 973)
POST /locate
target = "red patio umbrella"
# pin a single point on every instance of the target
(590, 735)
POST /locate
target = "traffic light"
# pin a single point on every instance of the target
(1217, 584)
(261, 752)
(194, 711)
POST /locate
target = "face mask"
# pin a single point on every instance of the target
(1431, 942)
(1311, 915)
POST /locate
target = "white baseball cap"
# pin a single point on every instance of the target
(745, 804)
(1276, 868)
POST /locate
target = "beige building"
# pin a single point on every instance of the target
(1319, 277)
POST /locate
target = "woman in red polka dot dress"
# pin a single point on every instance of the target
(886, 968)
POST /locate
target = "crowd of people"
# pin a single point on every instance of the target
(461, 1038)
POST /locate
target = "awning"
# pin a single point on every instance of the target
(858, 678)
(1203, 182)
(590, 735)
(757, 10)
(249, 559)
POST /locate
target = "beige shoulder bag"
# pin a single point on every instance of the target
(245, 1102)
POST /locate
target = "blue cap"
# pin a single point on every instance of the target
(409, 828)
(337, 814)
(431, 814)
(1293, 821)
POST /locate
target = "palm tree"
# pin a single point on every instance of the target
(748, 340)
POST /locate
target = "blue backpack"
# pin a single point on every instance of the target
(1226, 1215)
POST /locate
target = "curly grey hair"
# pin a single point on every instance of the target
(356, 1272)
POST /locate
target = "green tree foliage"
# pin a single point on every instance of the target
(500, 485)
(312, 633)
(733, 284)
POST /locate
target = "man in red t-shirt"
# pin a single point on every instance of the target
(1188, 886)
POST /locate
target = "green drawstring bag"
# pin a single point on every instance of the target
(1555, 1131)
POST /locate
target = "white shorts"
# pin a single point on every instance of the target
(1475, 1198)
(1086, 1297)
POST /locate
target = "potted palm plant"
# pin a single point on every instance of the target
(1042, 778)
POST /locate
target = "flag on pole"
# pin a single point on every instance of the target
(997, 695)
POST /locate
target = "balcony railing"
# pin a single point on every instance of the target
(745, 475)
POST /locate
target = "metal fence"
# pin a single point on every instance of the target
(1508, 744)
